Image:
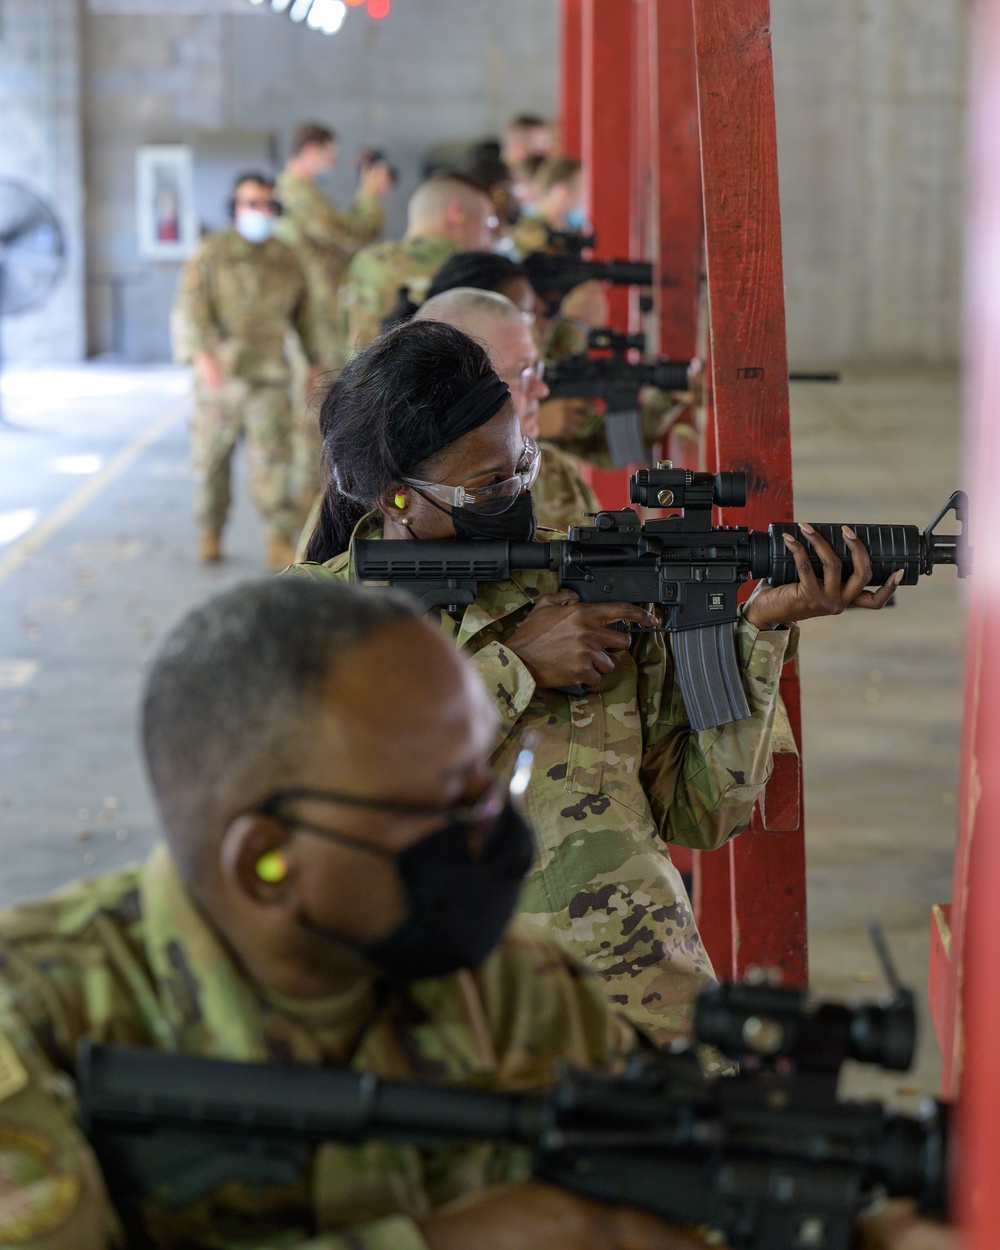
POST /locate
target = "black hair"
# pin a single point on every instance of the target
(306, 133)
(375, 418)
(233, 694)
(485, 271)
(401, 312)
(252, 175)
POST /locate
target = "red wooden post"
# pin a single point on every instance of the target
(762, 872)
(973, 1037)
(678, 226)
(571, 77)
(607, 147)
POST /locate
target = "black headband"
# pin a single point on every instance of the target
(478, 405)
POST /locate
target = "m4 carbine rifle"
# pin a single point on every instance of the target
(606, 371)
(688, 568)
(615, 369)
(769, 1156)
(554, 274)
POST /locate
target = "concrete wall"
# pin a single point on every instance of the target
(40, 148)
(401, 84)
(870, 98)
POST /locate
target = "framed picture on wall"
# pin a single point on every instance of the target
(166, 223)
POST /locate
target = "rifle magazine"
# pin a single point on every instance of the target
(709, 675)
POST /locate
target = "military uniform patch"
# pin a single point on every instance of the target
(35, 1197)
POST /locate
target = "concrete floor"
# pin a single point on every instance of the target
(96, 562)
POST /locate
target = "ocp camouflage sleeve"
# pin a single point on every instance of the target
(702, 786)
(562, 498)
(304, 321)
(52, 1195)
(376, 275)
(192, 323)
(325, 225)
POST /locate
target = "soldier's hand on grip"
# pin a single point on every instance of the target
(588, 303)
(896, 1226)
(561, 418)
(808, 597)
(564, 642)
(535, 1216)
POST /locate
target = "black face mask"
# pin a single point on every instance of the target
(457, 908)
(516, 525)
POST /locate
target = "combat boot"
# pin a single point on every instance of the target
(210, 547)
(280, 554)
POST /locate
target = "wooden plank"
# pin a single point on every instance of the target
(607, 151)
(571, 78)
(975, 951)
(677, 224)
(607, 120)
(749, 389)
(939, 972)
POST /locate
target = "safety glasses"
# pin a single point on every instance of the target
(487, 500)
(479, 819)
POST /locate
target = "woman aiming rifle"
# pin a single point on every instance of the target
(424, 443)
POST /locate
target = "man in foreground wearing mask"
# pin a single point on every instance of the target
(338, 869)
(239, 297)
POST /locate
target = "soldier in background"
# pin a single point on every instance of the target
(447, 213)
(562, 498)
(239, 297)
(558, 204)
(324, 238)
(524, 136)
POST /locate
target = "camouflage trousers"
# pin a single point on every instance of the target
(262, 414)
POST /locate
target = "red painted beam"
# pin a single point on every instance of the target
(607, 151)
(677, 225)
(975, 938)
(571, 78)
(762, 872)
(607, 134)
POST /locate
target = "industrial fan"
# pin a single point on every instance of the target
(32, 250)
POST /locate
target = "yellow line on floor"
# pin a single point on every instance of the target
(54, 522)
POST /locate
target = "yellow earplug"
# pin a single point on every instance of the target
(400, 501)
(272, 867)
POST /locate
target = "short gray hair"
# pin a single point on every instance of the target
(235, 691)
(473, 312)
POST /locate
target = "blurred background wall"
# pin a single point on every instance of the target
(870, 102)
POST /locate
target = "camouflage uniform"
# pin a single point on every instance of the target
(128, 959)
(619, 773)
(562, 497)
(370, 289)
(238, 301)
(324, 238)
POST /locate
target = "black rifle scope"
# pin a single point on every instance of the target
(773, 1022)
